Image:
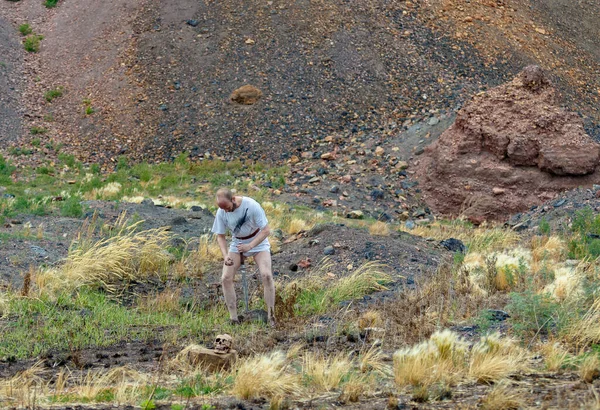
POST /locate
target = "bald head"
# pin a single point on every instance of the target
(225, 199)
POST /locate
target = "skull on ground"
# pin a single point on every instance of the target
(223, 344)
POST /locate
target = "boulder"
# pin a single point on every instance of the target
(508, 149)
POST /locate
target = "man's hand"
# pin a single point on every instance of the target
(245, 247)
(228, 261)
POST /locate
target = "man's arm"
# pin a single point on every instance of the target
(223, 246)
(264, 232)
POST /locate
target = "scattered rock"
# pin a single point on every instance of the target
(497, 315)
(355, 215)
(454, 245)
(498, 191)
(147, 202)
(179, 220)
(409, 224)
(334, 189)
(246, 95)
(193, 23)
(329, 250)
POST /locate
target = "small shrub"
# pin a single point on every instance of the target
(50, 3)
(264, 376)
(89, 110)
(533, 313)
(35, 131)
(25, 29)
(67, 159)
(54, 93)
(32, 43)
(5, 167)
(544, 227)
(72, 207)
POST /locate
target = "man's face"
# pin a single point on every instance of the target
(225, 204)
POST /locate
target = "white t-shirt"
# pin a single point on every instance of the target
(242, 222)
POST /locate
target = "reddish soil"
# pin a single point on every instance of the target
(509, 149)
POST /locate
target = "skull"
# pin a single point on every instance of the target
(223, 344)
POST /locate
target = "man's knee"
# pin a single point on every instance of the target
(227, 278)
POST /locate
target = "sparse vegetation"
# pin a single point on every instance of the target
(50, 3)
(32, 43)
(53, 93)
(25, 29)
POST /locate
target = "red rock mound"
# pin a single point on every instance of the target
(510, 148)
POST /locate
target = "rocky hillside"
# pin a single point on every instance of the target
(149, 80)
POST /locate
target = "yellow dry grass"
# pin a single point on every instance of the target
(445, 358)
(370, 318)
(297, 225)
(439, 359)
(356, 386)
(555, 357)
(502, 397)
(373, 360)
(4, 304)
(166, 301)
(481, 239)
(589, 369)
(264, 376)
(498, 270)
(379, 228)
(126, 256)
(19, 388)
(567, 284)
(585, 330)
(494, 358)
(326, 373)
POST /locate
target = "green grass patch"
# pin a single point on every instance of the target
(36, 131)
(25, 29)
(90, 318)
(54, 93)
(32, 43)
(50, 3)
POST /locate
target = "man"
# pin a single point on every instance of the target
(247, 222)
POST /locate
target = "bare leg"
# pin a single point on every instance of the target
(228, 287)
(263, 260)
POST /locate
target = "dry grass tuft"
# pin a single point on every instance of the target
(440, 359)
(502, 397)
(567, 284)
(445, 358)
(207, 254)
(373, 360)
(379, 228)
(555, 357)
(4, 304)
(356, 386)
(18, 388)
(585, 330)
(326, 373)
(498, 270)
(481, 239)
(371, 318)
(589, 369)
(264, 376)
(166, 301)
(298, 225)
(494, 358)
(123, 257)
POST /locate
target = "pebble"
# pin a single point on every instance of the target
(329, 250)
(433, 121)
(410, 224)
(355, 215)
(334, 189)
